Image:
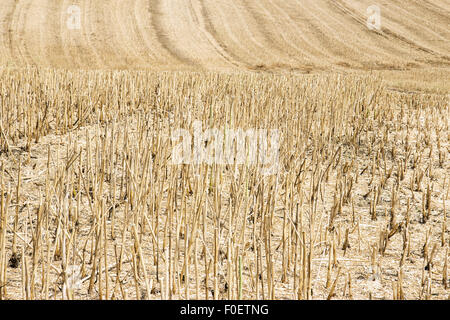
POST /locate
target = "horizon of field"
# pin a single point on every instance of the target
(300, 36)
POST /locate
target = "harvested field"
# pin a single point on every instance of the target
(315, 152)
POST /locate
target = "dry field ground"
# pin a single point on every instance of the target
(94, 206)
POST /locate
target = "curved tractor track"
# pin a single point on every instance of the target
(303, 35)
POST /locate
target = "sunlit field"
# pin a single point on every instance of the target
(224, 150)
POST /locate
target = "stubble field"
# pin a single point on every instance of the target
(350, 201)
